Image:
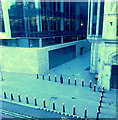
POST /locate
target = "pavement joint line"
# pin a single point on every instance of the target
(13, 114)
(3, 110)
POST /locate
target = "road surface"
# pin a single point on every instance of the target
(11, 110)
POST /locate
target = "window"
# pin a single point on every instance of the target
(2, 28)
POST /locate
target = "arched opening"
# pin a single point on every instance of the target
(114, 73)
(114, 77)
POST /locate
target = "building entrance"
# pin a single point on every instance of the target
(114, 77)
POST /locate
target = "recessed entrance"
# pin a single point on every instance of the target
(114, 77)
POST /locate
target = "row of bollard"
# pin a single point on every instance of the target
(100, 104)
(69, 81)
(44, 104)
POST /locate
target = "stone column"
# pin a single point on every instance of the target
(104, 76)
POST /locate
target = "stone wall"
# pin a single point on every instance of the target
(34, 60)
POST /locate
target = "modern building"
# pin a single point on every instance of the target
(42, 35)
(103, 36)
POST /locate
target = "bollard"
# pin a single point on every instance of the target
(53, 105)
(35, 101)
(49, 77)
(61, 79)
(69, 80)
(37, 76)
(101, 96)
(90, 84)
(102, 91)
(100, 102)
(99, 108)
(97, 118)
(43, 76)
(94, 87)
(103, 87)
(82, 83)
(85, 113)
(12, 96)
(55, 78)
(74, 112)
(19, 98)
(44, 104)
(27, 101)
(63, 106)
(5, 96)
(75, 82)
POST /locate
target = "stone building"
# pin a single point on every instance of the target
(103, 36)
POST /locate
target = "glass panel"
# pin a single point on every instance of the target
(94, 18)
(34, 42)
(51, 41)
(2, 28)
(101, 18)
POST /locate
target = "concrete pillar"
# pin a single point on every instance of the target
(40, 42)
(6, 19)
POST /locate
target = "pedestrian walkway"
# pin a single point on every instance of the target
(69, 94)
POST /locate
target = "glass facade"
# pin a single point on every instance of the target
(2, 28)
(48, 19)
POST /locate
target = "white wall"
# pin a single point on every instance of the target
(33, 60)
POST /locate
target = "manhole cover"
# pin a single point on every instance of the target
(74, 98)
(53, 97)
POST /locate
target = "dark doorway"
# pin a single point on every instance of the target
(114, 77)
(81, 50)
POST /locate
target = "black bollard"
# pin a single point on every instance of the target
(61, 79)
(94, 87)
(53, 105)
(37, 76)
(27, 101)
(75, 81)
(43, 76)
(103, 88)
(5, 96)
(99, 108)
(44, 104)
(63, 107)
(97, 118)
(74, 112)
(69, 80)
(19, 98)
(100, 102)
(101, 96)
(49, 77)
(85, 113)
(102, 91)
(12, 98)
(82, 83)
(35, 101)
(90, 84)
(55, 78)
